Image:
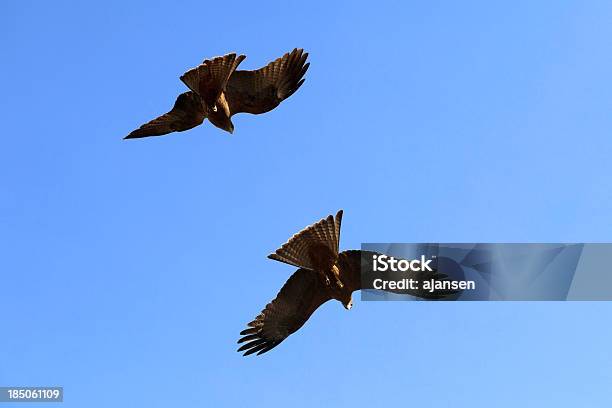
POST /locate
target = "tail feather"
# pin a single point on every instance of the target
(315, 247)
(209, 78)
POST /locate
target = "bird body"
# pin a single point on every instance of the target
(337, 289)
(324, 273)
(316, 248)
(218, 91)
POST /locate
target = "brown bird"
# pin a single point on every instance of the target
(323, 274)
(218, 91)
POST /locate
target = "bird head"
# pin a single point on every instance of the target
(348, 303)
(222, 122)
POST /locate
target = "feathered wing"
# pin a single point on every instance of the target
(301, 295)
(187, 113)
(209, 78)
(264, 89)
(351, 274)
(315, 247)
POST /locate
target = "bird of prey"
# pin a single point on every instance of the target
(323, 274)
(218, 91)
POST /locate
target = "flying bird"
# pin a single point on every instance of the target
(324, 273)
(218, 91)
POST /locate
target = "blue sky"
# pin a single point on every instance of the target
(129, 267)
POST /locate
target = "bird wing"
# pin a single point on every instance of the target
(301, 295)
(315, 247)
(264, 89)
(186, 113)
(210, 77)
(353, 275)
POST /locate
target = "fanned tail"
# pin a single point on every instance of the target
(315, 247)
(209, 78)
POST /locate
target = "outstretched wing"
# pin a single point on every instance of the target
(315, 247)
(264, 89)
(187, 113)
(210, 77)
(301, 295)
(351, 274)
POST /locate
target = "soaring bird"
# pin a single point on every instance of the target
(323, 274)
(218, 91)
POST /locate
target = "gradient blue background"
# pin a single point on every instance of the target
(129, 267)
